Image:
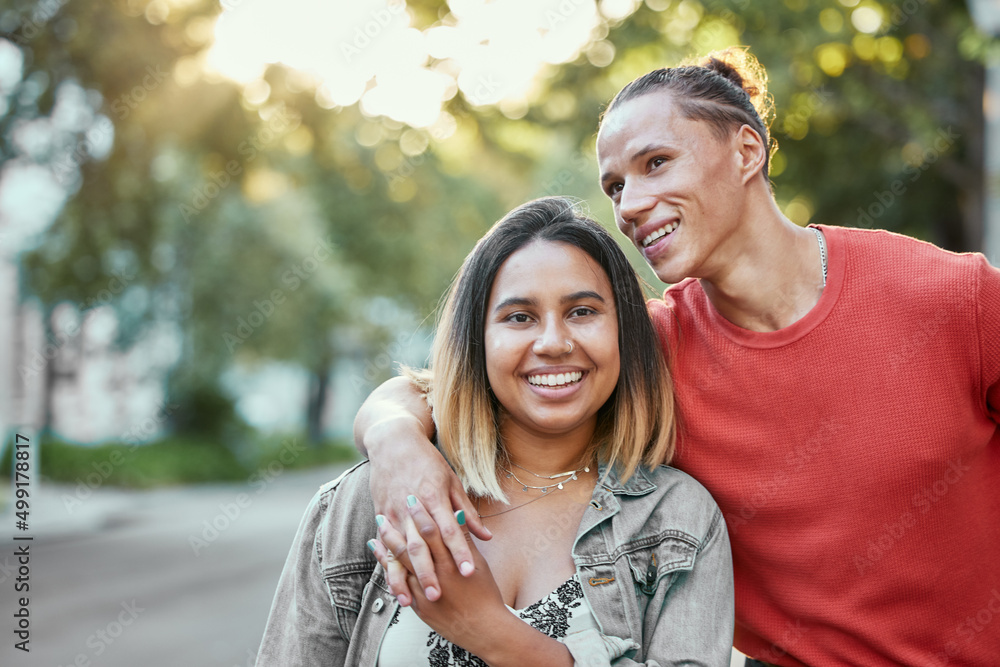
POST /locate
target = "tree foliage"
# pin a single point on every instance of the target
(263, 226)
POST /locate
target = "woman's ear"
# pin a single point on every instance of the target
(752, 152)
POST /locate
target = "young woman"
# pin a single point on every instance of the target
(840, 390)
(554, 406)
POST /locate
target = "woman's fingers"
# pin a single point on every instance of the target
(395, 574)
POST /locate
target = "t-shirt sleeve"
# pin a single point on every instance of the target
(664, 316)
(988, 315)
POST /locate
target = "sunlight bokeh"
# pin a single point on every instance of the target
(370, 52)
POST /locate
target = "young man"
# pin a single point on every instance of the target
(839, 393)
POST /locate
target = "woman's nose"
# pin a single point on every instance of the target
(553, 341)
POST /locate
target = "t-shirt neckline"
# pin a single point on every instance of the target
(836, 264)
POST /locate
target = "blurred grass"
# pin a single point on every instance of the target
(176, 460)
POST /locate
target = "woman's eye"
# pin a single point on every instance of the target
(519, 318)
(582, 311)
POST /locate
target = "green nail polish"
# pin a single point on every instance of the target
(371, 545)
(460, 517)
(379, 519)
(411, 501)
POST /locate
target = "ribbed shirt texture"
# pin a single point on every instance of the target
(855, 455)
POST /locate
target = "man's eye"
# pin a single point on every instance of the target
(656, 162)
(613, 189)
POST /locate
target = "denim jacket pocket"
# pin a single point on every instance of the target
(346, 583)
(652, 560)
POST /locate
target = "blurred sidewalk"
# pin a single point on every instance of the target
(164, 577)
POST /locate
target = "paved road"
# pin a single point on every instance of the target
(117, 582)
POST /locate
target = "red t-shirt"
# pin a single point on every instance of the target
(855, 455)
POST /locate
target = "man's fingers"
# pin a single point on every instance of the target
(454, 539)
(432, 531)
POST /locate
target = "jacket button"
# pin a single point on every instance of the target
(377, 605)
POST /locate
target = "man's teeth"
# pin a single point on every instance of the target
(661, 232)
(557, 380)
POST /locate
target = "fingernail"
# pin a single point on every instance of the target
(460, 517)
(411, 501)
(465, 568)
(379, 519)
(371, 545)
(430, 592)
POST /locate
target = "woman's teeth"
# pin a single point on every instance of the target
(659, 233)
(557, 380)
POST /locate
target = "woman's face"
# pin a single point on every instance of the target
(551, 339)
(676, 188)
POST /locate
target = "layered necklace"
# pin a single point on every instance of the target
(561, 479)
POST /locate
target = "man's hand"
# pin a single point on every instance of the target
(394, 427)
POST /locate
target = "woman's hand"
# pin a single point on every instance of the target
(469, 611)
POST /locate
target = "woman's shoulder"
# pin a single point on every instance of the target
(348, 482)
(675, 501)
(342, 511)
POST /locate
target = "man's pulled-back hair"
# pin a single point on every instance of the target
(727, 89)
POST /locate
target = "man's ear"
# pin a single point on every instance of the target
(752, 152)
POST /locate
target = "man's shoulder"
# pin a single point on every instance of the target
(676, 298)
(884, 244)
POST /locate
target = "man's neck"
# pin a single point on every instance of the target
(775, 280)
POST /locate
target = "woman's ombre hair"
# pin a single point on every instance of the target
(635, 425)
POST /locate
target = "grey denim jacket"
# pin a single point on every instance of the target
(652, 555)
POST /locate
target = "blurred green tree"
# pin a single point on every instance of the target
(262, 223)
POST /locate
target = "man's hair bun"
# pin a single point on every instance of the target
(740, 68)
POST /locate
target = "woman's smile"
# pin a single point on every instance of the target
(551, 338)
